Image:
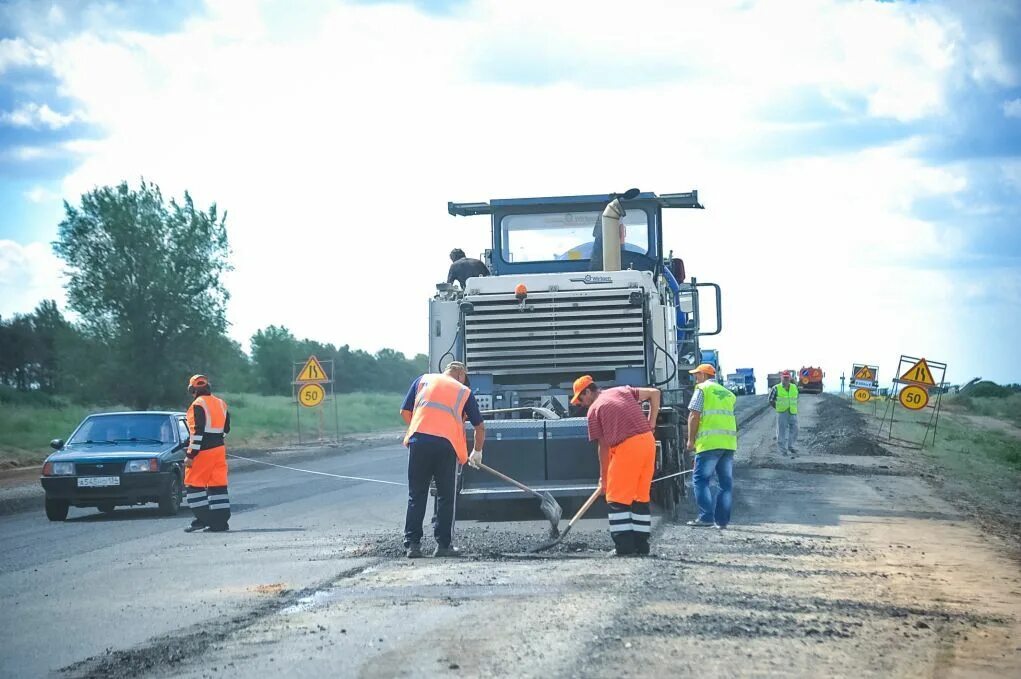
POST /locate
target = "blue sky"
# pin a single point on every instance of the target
(861, 160)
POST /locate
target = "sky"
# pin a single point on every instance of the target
(860, 161)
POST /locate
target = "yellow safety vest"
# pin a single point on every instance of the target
(787, 400)
(717, 428)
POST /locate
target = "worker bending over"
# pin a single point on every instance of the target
(712, 435)
(627, 457)
(462, 268)
(205, 462)
(434, 410)
(784, 398)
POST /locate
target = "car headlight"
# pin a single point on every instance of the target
(58, 469)
(151, 465)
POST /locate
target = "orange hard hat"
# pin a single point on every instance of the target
(198, 382)
(705, 369)
(580, 385)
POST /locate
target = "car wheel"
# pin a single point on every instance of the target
(106, 507)
(56, 510)
(170, 501)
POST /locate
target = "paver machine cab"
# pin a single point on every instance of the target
(579, 286)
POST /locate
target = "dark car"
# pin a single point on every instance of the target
(117, 459)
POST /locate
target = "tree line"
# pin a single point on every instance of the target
(144, 283)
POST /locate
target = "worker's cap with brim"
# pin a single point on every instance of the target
(785, 373)
(198, 381)
(580, 385)
(705, 369)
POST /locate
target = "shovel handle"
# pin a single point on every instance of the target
(509, 480)
(587, 506)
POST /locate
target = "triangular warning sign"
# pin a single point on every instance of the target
(312, 372)
(864, 374)
(919, 373)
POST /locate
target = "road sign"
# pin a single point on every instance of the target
(865, 376)
(862, 395)
(310, 395)
(913, 397)
(312, 372)
(920, 374)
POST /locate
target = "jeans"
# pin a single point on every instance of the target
(786, 431)
(707, 463)
(430, 458)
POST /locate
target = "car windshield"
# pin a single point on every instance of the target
(126, 428)
(555, 236)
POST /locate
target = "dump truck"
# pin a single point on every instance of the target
(773, 379)
(810, 380)
(741, 382)
(579, 286)
(712, 357)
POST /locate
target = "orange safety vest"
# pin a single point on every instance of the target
(211, 436)
(439, 405)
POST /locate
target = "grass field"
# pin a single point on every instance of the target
(257, 422)
(978, 453)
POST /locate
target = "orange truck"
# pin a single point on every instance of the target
(810, 380)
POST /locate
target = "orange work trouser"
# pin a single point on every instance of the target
(208, 469)
(629, 475)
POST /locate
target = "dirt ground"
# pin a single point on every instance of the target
(843, 561)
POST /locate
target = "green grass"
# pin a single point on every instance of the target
(977, 461)
(258, 422)
(1005, 408)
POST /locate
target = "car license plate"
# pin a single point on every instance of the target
(98, 481)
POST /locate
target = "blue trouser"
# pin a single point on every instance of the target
(707, 463)
(429, 458)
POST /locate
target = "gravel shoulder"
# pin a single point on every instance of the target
(843, 561)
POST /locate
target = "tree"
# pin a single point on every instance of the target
(144, 275)
(274, 351)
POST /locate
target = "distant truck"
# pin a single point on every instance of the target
(742, 382)
(773, 379)
(712, 357)
(810, 380)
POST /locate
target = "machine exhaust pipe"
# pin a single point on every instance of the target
(611, 229)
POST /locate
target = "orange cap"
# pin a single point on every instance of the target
(198, 381)
(705, 369)
(580, 385)
(520, 290)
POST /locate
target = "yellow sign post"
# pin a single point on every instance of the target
(313, 386)
(312, 372)
(916, 388)
(862, 395)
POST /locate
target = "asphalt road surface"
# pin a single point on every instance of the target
(310, 581)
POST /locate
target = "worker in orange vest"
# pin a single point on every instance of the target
(205, 463)
(434, 410)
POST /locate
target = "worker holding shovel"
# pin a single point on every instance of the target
(627, 457)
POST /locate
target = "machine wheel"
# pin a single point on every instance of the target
(106, 507)
(667, 494)
(170, 501)
(56, 510)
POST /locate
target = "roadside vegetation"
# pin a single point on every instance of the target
(30, 420)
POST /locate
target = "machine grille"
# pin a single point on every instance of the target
(559, 331)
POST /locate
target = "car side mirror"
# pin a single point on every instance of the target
(57, 444)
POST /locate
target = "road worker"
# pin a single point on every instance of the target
(462, 268)
(784, 398)
(205, 463)
(712, 436)
(627, 457)
(434, 410)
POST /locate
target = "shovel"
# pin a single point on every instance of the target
(550, 508)
(581, 512)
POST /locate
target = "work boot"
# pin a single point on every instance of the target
(697, 523)
(218, 529)
(446, 551)
(414, 551)
(196, 525)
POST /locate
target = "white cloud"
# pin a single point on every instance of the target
(1012, 108)
(29, 273)
(39, 194)
(335, 148)
(17, 52)
(36, 116)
